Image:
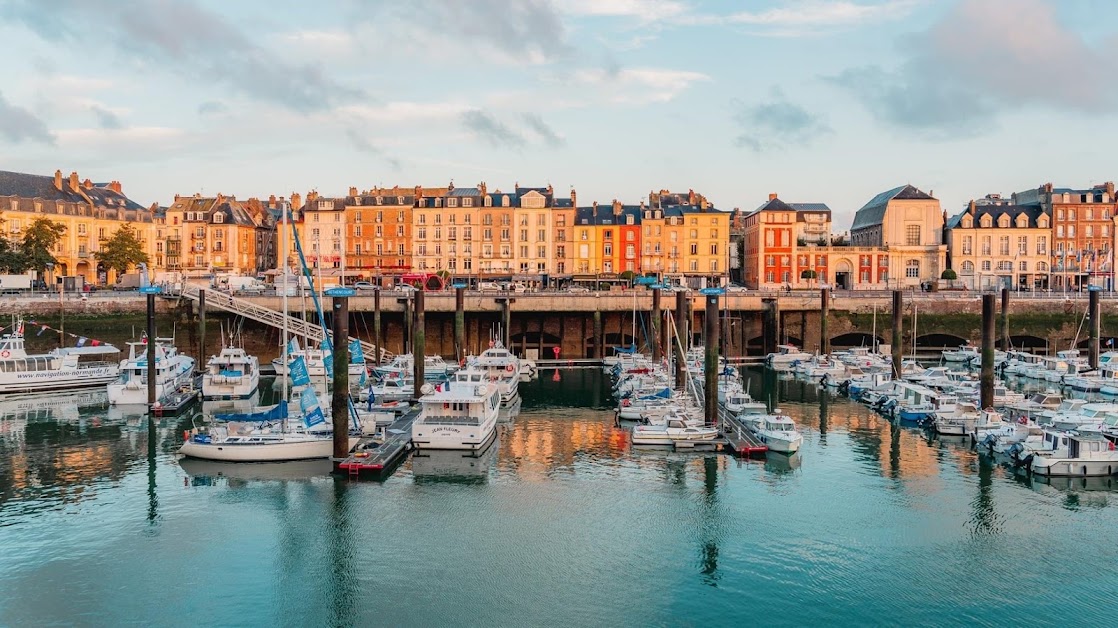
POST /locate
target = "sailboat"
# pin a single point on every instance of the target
(270, 433)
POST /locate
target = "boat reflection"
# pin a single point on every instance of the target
(445, 466)
(230, 406)
(214, 473)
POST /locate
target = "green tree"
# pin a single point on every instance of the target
(808, 274)
(950, 276)
(122, 251)
(628, 276)
(41, 236)
(12, 259)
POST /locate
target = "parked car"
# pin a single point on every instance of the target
(734, 288)
(577, 288)
(488, 285)
(363, 285)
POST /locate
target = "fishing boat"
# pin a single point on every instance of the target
(502, 367)
(778, 432)
(231, 374)
(460, 414)
(173, 371)
(66, 368)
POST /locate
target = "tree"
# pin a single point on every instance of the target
(949, 276)
(122, 251)
(628, 276)
(41, 236)
(12, 259)
(808, 274)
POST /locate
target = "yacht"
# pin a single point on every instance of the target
(958, 421)
(460, 414)
(502, 367)
(740, 402)
(434, 367)
(265, 435)
(965, 354)
(777, 431)
(389, 388)
(785, 357)
(1085, 455)
(670, 432)
(173, 370)
(231, 374)
(66, 368)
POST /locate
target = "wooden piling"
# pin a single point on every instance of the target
(770, 315)
(654, 319)
(710, 366)
(460, 323)
(1093, 315)
(683, 337)
(986, 377)
(418, 343)
(898, 326)
(378, 338)
(201, 327)
(824, 313)
(151, 350)
(1005, 319)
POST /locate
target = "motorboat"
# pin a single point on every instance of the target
(1086, 455)
(65, 368)
(777, 431)
(502, 367)
(231, 374)
(785, 357)
(173, 371)
(460, 414)
(964, 354)
(671, 432)
(740, 402)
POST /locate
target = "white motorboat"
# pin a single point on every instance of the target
(777, 431)
(958, 420)
(460, 414)
(66, 368)
(502, 367)
(173, 370)
(740, 402)
(390, 388)
(671, 432)
(785, 356)
(1086, 455)
(434, 367)
(231, 374)
(988, 422)
(315, 359)
(528, 370)
(965, 354)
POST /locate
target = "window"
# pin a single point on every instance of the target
(1059, 231)
(714, 249)
(694, 265)
(607, 249)
(467, 202)
(912, 266)
(986, 245)
(541, 235)
(1003, 245)
(912, 238)
(1071, 215)
(452, 202)
(1005, 266)
(968, 245)
(523, 235)
(1071, 231)
(487, 234)
(560, 251)
(1042, 245)
(219, 218)
(694, 249)
(583, 234)
(1023, 267)
(986, 264)
(422, 218)
(968, 267)
(713, 265)
(421, 233)
(505, 235)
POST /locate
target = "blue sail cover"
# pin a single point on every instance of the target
(356, 354)
(666, 393)
(629, 349)
(277, 412)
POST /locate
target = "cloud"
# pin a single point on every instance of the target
(644, 10)
(521, 31)
(983, 58)
(486, 127)
(18, 124)
(363, 144)
(405, 111)
(130, 136)
(637, 85)
(211, 107)
(775, 123)
(106, 117)
(822, 13)
(186, 38)
(543, 130)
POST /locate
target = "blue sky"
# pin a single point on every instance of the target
(817, 100)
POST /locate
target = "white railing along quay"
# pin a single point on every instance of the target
(296, 326)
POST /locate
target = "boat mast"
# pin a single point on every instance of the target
(873, 338)
(914, 309)
(285, 247)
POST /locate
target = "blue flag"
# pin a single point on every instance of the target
(298, 371)
(292, 346)
(81, 341)
(356, 354)
(314, 417)
(308, 400)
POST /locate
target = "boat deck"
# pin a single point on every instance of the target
(381, 459)
(180, 399)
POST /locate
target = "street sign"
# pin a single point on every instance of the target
(151, 290)
(340, 292)
(458, 285)
(712, 291)
(645, 281)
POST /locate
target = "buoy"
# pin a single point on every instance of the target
(186, 434)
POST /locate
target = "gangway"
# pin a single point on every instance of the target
(296, 326)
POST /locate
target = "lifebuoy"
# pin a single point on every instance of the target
(5, 353)
(508, 368)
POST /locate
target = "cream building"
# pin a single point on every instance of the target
(994, 244)
(908, 224)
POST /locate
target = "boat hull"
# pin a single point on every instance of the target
(1056, 467)
(448, 437)
(41, 381)
(265, 452)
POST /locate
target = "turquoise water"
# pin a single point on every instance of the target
(561, 523)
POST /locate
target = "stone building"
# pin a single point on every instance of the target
(994, 244)
(907, 224)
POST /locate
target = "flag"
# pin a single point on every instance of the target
(314, 417)
(1110, 342)
(41, 330)
(328, 363)
(144, 338)
(297, 369)
(312, 412)
(356, 354)
(81, 341)
(292, 346)
(94, 343)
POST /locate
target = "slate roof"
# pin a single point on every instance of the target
(465, 192)
(810, 207)
(1032, 212)
(873, 212)
(30, 186)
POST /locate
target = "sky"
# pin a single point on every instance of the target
(816, 100)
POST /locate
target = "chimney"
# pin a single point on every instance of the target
(115, 186)
(177, 198)
(772, 196)
(296, 200)
(450, 186)
(483, 188)
(970, 207)
(550, 191)
(352, 191)
(595, 208)
(418, 191)
(219, 199)
(272, 201)
(74, 183)
(87, 184)
(1110, 188)
(690, 197)
(58, 180)
(616, 207)
(574, 198)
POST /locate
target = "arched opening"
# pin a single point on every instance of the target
(855, 339)
(844, 274)
(1032, 344)
(939, 341)
(1105, 343)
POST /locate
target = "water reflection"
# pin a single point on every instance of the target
(454, 467)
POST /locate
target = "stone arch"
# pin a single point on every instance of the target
(939, 341)
(844, 266)
(1026, 342)
(855, 339)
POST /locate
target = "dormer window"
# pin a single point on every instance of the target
(452, 202)
(467, 202)
(219, 218)
(968, 222)
(1003, 221)
(986, 221)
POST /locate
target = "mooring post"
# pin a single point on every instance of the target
(339, 400)
(506, 323)
(408, 326)
(1005, 319)
(898, 325)
(725, 327)
(378, 341)
(418, 344)
(710, 366)
(1096, 326)
(598, 349)
(654, 319)
(986, 378)
(151, 350)
(460, 322)
(682, 336)
(201, 327)
(824, 313)
(770, 314)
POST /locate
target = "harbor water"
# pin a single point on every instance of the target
(561, 522)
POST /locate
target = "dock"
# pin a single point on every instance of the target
(372, 458)
(180, 399)
(740, 438)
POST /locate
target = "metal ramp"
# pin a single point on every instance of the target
(296, 326)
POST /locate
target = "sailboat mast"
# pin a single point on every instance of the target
(914, 309)
(285, 248)
(873, 339)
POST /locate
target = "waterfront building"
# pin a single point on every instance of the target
(91, 213)
(694, 240)
(608, 240)
(907, 224)
(215, 234)
(994, 243)
(563, 220)
(380, 230)
(783, 240)
(1082, 250)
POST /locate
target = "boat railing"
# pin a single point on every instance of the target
(449, 420)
